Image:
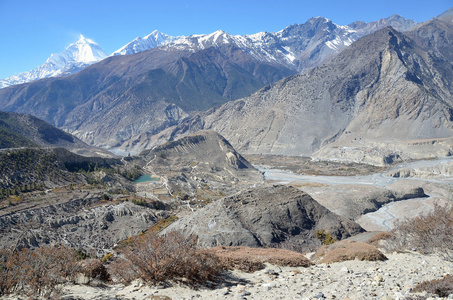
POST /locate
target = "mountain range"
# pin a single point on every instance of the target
(128, 97)
(388, 96)
(293, 46)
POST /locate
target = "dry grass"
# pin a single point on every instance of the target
(252, 259)
(94, 268)
(381, 236)
(301, 184)
(348, 250)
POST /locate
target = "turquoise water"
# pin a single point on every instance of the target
(145, 178)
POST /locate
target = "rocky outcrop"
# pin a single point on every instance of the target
(264, 216)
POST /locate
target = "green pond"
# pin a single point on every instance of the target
(145, 178)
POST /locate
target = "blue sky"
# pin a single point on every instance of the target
(30, 30)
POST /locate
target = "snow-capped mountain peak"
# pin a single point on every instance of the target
(83, 51)
(152, 40)
(73, 59)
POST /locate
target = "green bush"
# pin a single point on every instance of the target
(326, 238)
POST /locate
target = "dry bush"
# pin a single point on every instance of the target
(441, 287)
(429, 233)
(93, 268)
(348, 250)
(36, 272)
(252, 259)
(165, 258)
(381, 236)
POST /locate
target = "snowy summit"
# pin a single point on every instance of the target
(73, 59)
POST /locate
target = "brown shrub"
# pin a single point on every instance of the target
(429, 233)
(37, 272)
(441, 287)
(166, 258)
(252, 259)
(381, 236)
(93, 268)
(348, 250)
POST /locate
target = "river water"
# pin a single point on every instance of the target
(384, 218)
(378, 179)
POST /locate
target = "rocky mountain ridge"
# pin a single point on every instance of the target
(122, 96)
(125, 101)
(139, 44)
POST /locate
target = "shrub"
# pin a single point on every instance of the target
(93, 268)
(165, 258)
(381, 236)
(348, 250)
(37, 272)
(428, 233)
(441, 287)
(107, 257)
(325, 237)
(252, 259)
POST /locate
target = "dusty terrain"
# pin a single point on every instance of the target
(391, 279)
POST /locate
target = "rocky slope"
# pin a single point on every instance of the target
(390, 279)
(263, 217)
(83, 222)
(22, 130)
(372, 103)
(201, 167)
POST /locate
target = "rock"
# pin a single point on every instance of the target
(378, 278)
(81, 279)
